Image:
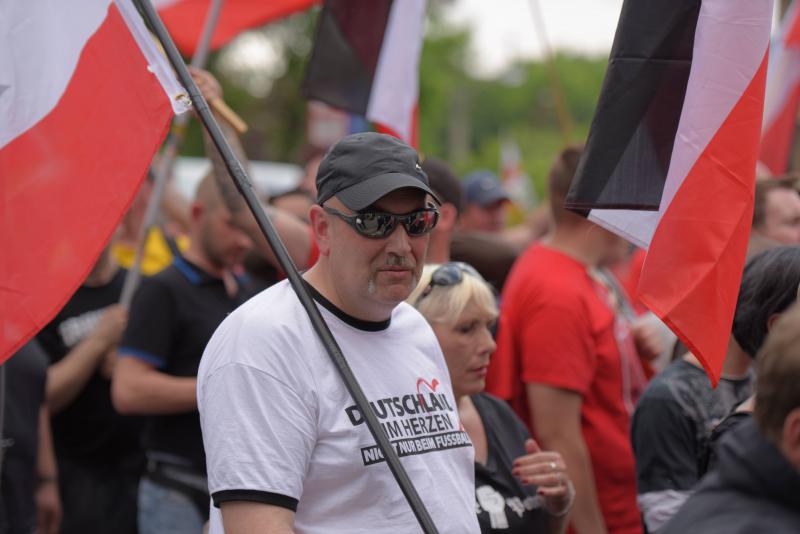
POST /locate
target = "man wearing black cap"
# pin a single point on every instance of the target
(286, 447)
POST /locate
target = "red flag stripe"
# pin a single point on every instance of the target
(791, 37)
(414, 129)
(67, 180)
(776, 142)
(698, 301)
(414, 141)
(783, 90)
(185, 18)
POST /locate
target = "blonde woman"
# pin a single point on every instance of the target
(518, 487)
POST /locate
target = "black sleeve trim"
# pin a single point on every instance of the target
(265, 497)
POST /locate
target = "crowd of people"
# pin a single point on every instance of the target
(518, 379)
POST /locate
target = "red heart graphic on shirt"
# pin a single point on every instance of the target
(432, 385)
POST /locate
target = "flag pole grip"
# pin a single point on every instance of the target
(245, 188)
(230, 116)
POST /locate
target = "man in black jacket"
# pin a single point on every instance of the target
(756, 486)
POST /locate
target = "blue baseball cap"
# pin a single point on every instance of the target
(483, 188)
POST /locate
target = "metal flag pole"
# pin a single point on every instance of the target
(245, 187)
(167, 160)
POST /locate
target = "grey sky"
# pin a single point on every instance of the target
(504, 30)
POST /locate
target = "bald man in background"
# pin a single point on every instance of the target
(172, 317)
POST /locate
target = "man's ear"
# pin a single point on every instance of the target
(466, 215)
(196, 211)
(320, 225)
(448, 215)
(790, 441)
(771, 321)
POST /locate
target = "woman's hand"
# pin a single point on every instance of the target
(547, 471)
(48, 507)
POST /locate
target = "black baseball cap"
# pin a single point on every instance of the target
(363, 167)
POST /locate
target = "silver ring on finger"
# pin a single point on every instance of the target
(553, 466)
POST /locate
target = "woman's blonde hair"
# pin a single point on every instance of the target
(445, 304)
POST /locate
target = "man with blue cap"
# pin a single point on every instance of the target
(485, 209)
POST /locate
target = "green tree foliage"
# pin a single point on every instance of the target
(276, 120)
(464, 117)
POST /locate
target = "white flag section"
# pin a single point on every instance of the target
(395, 88)
(42, 41)
(85, 101)
(29, 54)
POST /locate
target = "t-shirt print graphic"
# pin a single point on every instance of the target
(418, 422)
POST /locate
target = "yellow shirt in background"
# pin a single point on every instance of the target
(157, 253)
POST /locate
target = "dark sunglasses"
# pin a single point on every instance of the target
(448, 274)
(378, 225)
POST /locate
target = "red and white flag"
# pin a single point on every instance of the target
(366, 61)
(185, 18)
(677, 132)
(85, 101)
(783, 95)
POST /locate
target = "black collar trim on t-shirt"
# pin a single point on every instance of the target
(368, 326)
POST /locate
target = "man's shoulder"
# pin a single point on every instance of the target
(269, 311)
(164, 290)
(681, 386)
(546, 273)
(717, 508)
(277, 310)
(679, 375)
(265, 333)
(168, 275)
(534, 261)
(168, 280)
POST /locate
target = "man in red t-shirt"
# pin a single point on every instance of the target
(567, 361)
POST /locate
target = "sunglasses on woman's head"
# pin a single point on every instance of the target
(448, 274)
(378, 225)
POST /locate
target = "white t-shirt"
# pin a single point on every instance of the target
(280, 427)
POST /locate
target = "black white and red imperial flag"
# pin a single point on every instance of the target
(366, 61)
(671, 155)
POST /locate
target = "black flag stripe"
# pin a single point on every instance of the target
(346, 53)
(627, 155)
